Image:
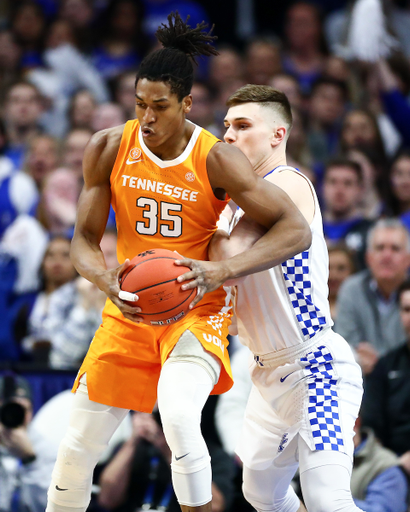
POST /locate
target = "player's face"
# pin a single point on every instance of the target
(161, 115)
(248, 129)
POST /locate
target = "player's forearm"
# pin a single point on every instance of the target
(289, 236)
(87, 258)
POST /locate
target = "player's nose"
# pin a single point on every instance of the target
(149, 115)
(229, 136)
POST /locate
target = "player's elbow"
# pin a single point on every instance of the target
(305, 237)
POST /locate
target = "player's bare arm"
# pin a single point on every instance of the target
(287, 233)
(247, 231)
(92, 214)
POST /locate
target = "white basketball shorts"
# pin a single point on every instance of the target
(313, 390)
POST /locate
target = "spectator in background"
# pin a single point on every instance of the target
(22, 111)
(326, 107)
(341, 266)
(58, 203)
(368, 314)
(290, 86)
(375, 185)
(60, 32)
(361, 131)
(305, 49)
(75, 311)
(124, 93)
(225, 69)
(18, 452)
(226, 74)
(18, 194)
(107, 115)
(343, 220)
(139, 476)
(81, 110)
(262, 60)
(386, 404)
(73, 150)
(297, 148)
(336, 25)
(29, 25)
(80, 15)
(400, 187)
(22, 249)
(42, 158)
(378, 482)
(10, 56)
(56, 270)
(202, 112)
(392, 78)
(122, 46)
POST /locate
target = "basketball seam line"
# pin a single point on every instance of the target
(167, 310)
(153, 285)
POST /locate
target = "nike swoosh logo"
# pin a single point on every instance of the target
(58, 489)
(282, 379)
(129, 162)
(182, 456)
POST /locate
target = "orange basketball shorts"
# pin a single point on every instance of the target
(124, 360)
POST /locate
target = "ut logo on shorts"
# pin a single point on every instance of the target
(213, 339)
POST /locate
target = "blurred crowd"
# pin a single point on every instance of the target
(67, 70)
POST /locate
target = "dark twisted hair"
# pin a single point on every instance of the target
(172, 64)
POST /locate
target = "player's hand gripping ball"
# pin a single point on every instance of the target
(152, 276)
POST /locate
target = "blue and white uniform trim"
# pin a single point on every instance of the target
(297, 279)
(323, 408)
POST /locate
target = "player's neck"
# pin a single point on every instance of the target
(266, 165)
(174, 146)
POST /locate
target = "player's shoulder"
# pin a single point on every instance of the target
(291, 176)
(102, 150)
(106, 139)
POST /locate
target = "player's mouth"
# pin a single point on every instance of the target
(147, 132)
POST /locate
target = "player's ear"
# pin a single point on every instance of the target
(187, 103)
(278, 135)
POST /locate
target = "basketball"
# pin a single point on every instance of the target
(152, 276)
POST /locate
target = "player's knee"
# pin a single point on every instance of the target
(77, 456)
(180, 422)
(183, 433)
(331, 500)
(268, 502)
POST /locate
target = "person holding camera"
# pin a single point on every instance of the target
(20, 485)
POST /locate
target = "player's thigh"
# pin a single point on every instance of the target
(270, 485)
(91, 419)
(325, 479)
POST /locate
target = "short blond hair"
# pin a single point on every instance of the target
(263, 95)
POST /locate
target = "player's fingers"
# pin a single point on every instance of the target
(187, 276)
(200, 293)
(184, 262)
(134, 318)
(126, 308)
(131, 297)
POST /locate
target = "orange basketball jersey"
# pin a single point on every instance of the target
(165, 204)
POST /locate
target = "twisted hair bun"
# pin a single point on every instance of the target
(180, 36)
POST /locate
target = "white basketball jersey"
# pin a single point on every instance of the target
(288, 304)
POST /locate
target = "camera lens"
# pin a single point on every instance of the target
(12, 415)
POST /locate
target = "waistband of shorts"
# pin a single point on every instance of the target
(288, 355)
